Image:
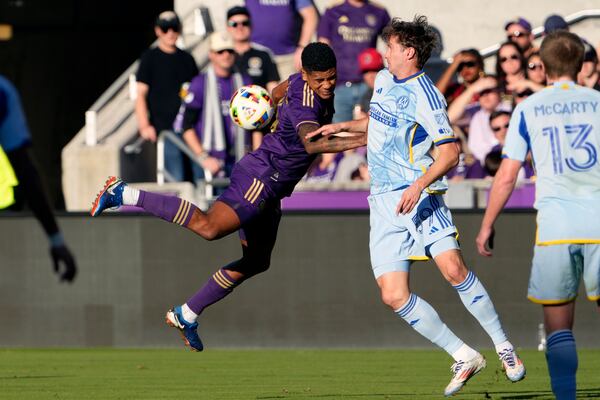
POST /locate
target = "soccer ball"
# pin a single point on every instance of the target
(251, 107)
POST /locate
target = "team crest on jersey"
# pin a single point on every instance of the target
(254, 62)
(343, 19)
(403, 102)
(371, 19)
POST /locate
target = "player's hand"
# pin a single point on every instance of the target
(485, 241)
(148, 133)
(212, 164)
(409, 199)
(64, 263)
(324, 130)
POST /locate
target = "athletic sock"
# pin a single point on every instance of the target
(130, 196)
(170, 208)
(561, 357)
(188, 314)
(478, 303)
(216, 288)
(425, 320)
(464, 353)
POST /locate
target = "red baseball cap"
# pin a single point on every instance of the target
(370, 60)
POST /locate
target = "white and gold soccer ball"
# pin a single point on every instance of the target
(251, 107)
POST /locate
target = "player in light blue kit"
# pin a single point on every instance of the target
(409, 220)
(560, 125)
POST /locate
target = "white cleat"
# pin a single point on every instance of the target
(463, 371)
(512, 365)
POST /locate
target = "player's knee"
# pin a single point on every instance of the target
(205, 228)
(394, 298)
(455, 271)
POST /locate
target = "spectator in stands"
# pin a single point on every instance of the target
(350, 27)
(468, 64)
(323, 169)
(510, 67)
(206, 125)
(481, 138)
(589, 75)
(519, 31)
(19, 174)
(250, 60)
(370, 63)
(361, 173)
(161, 73)
(535, 70)
(275, 26)
(554, 23)
(468, 166)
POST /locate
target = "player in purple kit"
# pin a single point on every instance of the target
(258, 182)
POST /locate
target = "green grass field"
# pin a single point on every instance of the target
(266, 374)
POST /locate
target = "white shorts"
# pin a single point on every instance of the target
(557, 270)
(397, 240)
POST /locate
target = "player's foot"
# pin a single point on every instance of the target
(189, 331)
(463, 371)
(512, 365)
(110, 197)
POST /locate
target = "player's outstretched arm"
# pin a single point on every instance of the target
(355, 127)
(446, 159)
(504, 183)
(328, 144)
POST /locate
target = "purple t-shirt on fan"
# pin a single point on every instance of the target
(351, 30)
(276, 23)
(281, 159)
(195, 99)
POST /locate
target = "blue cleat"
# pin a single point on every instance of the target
(110, 197)
(189, 332)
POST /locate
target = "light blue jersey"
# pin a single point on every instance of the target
(561, 126)
(407, 116)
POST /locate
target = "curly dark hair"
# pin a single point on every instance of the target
(417, 34)
(318, 57)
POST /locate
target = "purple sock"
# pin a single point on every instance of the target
(170, 208)
(216, 288)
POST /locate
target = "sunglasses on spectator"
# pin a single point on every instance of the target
(511, 57)
(533, 66)
(235, 24)
(516, 34)
(466, 64)
(499, 128)
(488, 91)
(169, 25)
(228, 51)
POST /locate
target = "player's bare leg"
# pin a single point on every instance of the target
(477, 301)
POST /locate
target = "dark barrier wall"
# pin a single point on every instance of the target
(319, 292)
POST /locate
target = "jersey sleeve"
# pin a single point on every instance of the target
(431, 114)
(517, 137)
(144, 72)
(195, 96)
(325, 26)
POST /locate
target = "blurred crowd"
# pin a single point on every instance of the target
(174, 95)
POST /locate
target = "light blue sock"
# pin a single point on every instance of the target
(425, 320)
(561, 357)
(478, 302)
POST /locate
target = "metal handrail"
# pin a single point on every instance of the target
(539, 31)
(163, 175)
(91, 115)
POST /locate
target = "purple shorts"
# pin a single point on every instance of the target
(249, 196)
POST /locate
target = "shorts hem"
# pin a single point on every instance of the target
(550, 302)
(402, 265)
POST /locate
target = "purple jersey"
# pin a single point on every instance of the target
(275, 23)
(195, 99)
(351, 30)
(281, 159)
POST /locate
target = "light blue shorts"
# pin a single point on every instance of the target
(397, 240)
(557, 270)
